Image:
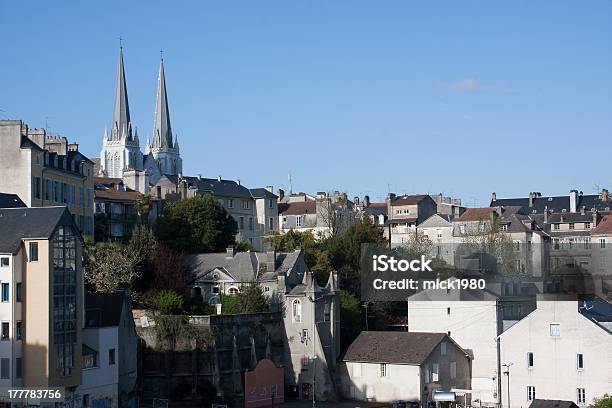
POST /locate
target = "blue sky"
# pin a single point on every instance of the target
(463, 98)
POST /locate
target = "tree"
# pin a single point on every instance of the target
(143, 208)
(604, 401)
(169, 302)
(335, 213)
(350, 318)
(198, 224)
(110, 266)
(143, 245)
(293, 240)
(250, 300)
(170, 273)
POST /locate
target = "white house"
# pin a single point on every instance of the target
(389, 366)
(438, 228)
(556, 352)
(109, 352)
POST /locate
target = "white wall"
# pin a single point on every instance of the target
(101, 382)
(473, 325)
(555, 374)
(363, 381)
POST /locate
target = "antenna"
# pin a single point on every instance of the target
(47, 123)
(120, 42)
(290, 183)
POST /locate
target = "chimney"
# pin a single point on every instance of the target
(219, 178)
(594, 223)
(573, 196)
(356, 200)
(366, 201)
(546, 215)
(271, 260)
(583, 210)
(531, 197)
(183, 189)
(605, 195)
(281, 194)
(493, 196)
(231, 251)
(391, 196)
(270, 189)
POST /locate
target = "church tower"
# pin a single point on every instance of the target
(121, 148)
(164, 149)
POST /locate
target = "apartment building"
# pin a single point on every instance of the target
(536, 203)
(41, 305)
(556, 352)
(116, 210)
(46, 171)
(405, 213)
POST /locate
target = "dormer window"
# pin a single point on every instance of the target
(296, 311)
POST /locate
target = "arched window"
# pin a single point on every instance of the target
(197, 292)
(232, 291)
(297, 311)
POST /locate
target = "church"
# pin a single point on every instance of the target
(121, 156)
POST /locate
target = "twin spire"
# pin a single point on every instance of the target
(122, 125)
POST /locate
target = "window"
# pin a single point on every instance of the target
(18, 369)
(298, 221)
(37, 192)
(111, 356)
(426, 373)
(86, 400)
(19, 292)
(230, 203)
(241, 222)
(383, 370)
(556, 244)
(296, 311)
(215, 290)
(357, 370)
(530, 393)
(233, 290)
(33, 251)
(556, 226)
(271, 223)
(580, 361)
(555, 329)
(462, 229)
(47, 185)
(517, 246)
(250, 223)
(4, 368)
(5, 292)
(5, 332)
(602, 243)
(504, 227)
(19, 330)
(571, 225)
(90, 360)
(439, 233)
(4, 262)
(270, 203)
(453, 369)
(448, 310)
(587, 225)
(443, 348)
(434, 372)
(580, 396)
(245, 204)
(530, 360)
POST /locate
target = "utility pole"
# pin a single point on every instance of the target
(507, 373)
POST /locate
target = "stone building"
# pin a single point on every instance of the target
(46, 171)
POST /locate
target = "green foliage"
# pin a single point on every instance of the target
(245, 246)
(293, 240)
(350, 318)
(604, 401)
(110, 266)
(198, 224)
(250, 300)
(169, 302)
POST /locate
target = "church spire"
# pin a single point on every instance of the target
(121, 126)
(162, 132)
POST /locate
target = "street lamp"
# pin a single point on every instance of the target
(507, 373)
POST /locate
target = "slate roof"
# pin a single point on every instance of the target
(103, 309)
(376, 209)
(242, 266)
(27, 143)
(556, 218)
(226, 188)
(299, 208)
(476, 214)
(10, 201)
(542, 403)
(262, 193)
(554, 203)
(392, 347)
(408, 199)
(17, 224)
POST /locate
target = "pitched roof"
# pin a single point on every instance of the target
(409, 199)
(10, 201)
(262, 193)
(542, 403)
(103, 309)
(393, 347)
(604, 226)
(112, 194)
(298, 208)
(476, 214)
(17, 224)
(376, 209)
(216, 187)
(554, 203)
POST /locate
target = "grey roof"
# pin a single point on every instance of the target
(10, 201)
(542, 403)
(17, 224)
(393, 347)
(103, 309)
(554, 203)
(243, 266)
(27, 143)
(121, 124)
(216, 187)
(262, 193)
(376, 210)
(162, 132)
